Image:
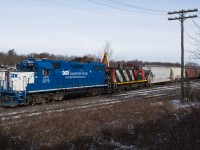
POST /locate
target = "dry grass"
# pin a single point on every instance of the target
(144, 124)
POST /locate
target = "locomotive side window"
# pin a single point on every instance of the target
(36, 71)
(46, 72)
(99, 68)
(56, 65)
(77, 66)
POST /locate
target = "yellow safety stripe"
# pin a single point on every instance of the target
(140, 81)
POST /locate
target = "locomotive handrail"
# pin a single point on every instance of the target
(1, 84)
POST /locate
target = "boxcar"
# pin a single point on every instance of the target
(198, 73)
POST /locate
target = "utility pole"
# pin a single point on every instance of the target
(182, 18)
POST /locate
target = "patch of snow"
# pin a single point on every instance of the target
(113, 122)
(177, 104)
(120, 146)
(16, 117)
(3, 118)
(47, 131)
(177, 117)
(61, 110)
(13, 113)
(7, 114)
(34, 114)
(137, 111)
(131, 129)
(157, 104)
(72, 147)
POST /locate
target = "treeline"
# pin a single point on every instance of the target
(144, 63)
(11, 58)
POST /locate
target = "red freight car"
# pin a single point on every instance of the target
(198, 73)
(191, 73)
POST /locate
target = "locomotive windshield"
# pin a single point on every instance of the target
(26, 66)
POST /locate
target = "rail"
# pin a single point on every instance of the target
(159, 93)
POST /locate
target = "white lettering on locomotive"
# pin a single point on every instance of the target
(70, 75)
(65, 73)
(46, 79)
(14, 75)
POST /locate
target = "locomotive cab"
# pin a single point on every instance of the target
(3, 79)
(15, 85)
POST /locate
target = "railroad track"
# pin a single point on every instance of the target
(167, 91)
(160, 92)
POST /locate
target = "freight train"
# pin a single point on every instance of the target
(41, 81)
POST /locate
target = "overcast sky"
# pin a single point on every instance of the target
(137, 29)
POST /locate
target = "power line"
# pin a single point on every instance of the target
(134, 6)
(77, 8)
(127, 10)
(85, 10)
(68, 6)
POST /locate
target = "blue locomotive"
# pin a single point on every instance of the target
(40, 81)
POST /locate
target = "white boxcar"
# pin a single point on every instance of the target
(19, 80)
(158, 74)
(176, 73)
(3, 79)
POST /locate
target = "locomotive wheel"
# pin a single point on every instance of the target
(47, 99)
(89, 92)
(92, 92)
(58, 97)
(30, 100)
(39, 99)
(120, 89)
(13, 104)
(50, 97)
(99, 92)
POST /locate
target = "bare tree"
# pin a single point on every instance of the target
(11, 57)
(196, 42)
(3, 58)
(85, 59)
(107, 48)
